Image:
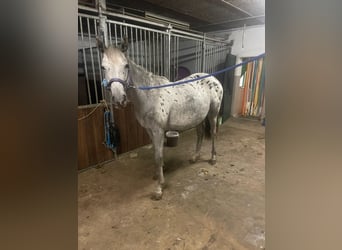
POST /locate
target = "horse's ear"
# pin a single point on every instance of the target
(100, 44)
(124, 44)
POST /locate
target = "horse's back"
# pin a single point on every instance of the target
(210, 85)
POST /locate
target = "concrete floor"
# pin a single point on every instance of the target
(203, 206)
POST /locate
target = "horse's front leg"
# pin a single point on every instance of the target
(158, 143)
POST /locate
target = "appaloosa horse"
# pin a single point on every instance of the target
(157, 110)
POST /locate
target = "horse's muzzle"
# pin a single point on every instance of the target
(122, 103)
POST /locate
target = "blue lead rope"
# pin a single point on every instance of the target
(105, 83)
(202, 77)
(111, 136)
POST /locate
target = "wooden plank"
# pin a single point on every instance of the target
(98, 128)
(82, 148)
(140, 132)
(131, 125)
(91, 150)
(131, 128)
(120, 121)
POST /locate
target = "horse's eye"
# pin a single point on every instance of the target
(126, 66)
(103, 68)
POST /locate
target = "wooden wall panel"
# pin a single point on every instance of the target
(131, 133)
(91, 150)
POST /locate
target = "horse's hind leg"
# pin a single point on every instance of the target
(213, 129)
(200, 134)
(158, 143)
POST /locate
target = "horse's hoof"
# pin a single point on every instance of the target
(156, 196)
(212, 162)
(194, 159)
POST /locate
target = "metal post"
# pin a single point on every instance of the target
(168, 68)
(103, 31)
(203, 54)
(85, 62)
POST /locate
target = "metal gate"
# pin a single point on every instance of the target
(160, 49)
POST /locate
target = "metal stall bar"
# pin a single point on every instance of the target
(213, 62)
(145, 50)
(177, 55)
(200, 55)
(196, 56)
(116, 35)
(168, 74)
(85, 61)
(132, 45)
(161, 55)
(167, 53)
(148, 42)
(120, 34)
(109, 27)
(215, 59)
(149, 51)
(92, 61)
(158, 57)
(99, 60)
(136, 48)
(208, 59)
(218, 57)
(141, 48)
(203, 54)
(154, 53)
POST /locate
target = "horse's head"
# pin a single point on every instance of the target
(116, 72)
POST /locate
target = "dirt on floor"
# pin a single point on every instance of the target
(203, 206)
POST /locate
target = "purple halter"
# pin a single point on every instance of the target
(125, 83)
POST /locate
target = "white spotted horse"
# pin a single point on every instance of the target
(178, 107)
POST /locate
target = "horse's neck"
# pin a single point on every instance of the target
(141, 99)
(141, 77)
(144, 101)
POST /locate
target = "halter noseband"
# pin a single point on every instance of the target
(125, 83)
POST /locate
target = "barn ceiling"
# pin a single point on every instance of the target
(201, 15)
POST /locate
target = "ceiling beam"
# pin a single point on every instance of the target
(237, 8)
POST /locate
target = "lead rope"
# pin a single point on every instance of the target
(112, 137)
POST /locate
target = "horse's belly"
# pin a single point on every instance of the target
(184, 107)
(182, 119)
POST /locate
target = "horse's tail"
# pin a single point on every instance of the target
(207, 129)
